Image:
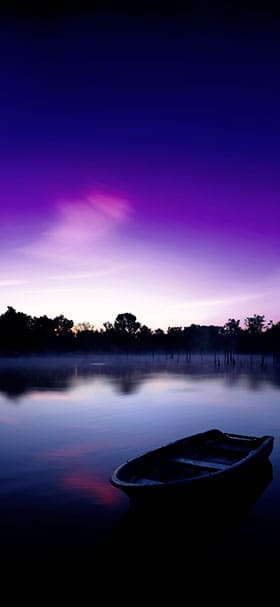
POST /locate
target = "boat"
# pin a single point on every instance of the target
(210, 458)
(200, 521)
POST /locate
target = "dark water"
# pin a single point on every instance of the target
(66, 424)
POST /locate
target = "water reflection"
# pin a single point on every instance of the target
(192, 529)
(58, 450)
(91, 484)
(15, 383)
(20, 377)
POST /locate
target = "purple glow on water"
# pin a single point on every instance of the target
(59, 448)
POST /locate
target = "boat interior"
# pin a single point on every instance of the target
(190, 458)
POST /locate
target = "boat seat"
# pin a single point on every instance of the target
(200, 463)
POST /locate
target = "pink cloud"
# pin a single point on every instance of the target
(116, 208)
(78, 226)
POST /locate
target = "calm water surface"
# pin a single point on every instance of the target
(66, 424)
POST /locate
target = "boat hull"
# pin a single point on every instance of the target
(218, 461)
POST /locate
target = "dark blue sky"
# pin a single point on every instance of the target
(177, 113)
(198, 84)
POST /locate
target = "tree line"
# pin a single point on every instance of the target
(21, 333)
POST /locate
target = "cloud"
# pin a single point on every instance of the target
(78, 227)
(12, 283)
(222, 301)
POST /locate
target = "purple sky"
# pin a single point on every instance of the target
(139, 169)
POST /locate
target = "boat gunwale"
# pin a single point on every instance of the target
(264, 442)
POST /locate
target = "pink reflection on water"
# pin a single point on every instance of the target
(70, 451)
(79, 449)
(102, 492)
(8, 420)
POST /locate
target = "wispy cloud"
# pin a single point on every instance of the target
(101, 271)
(78, 226)
(12, 283)
(221, 301)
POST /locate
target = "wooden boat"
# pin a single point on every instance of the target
(198, 519)
(211, 457)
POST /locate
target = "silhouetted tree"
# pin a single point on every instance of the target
(43, 334)
(255, 324)
(174, 338)
(109, 328)
(272, 339)
(126, 328)
(144, 338)
(20, 332)
(15, 330)
(232, 327)
(62, 326)
(231, 331)
(254, 329)
(85, 336)
(158, 340)
(127, 323)
(83, 326)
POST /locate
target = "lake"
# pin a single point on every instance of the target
(66, 423)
